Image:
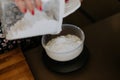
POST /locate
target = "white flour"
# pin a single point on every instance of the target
(33, 25)
(64, 48)
(64, 43)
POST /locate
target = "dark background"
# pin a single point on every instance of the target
(92, 11)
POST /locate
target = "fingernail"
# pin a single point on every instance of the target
(66, 1)
(40, 8)
(25, 10)
(32, 12)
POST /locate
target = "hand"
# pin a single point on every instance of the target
(68, 0)
(25, 5)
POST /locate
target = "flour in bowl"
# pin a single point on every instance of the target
(64, 43)
(64, 48)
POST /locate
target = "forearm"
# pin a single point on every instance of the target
(81, 0)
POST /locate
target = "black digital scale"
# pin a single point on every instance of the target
(68, 66)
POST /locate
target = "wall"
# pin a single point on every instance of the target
(100, 9)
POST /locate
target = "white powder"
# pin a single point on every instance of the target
(64, 48)
(30, 25)
(64, 43)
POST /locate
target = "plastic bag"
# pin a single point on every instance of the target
(16, 25)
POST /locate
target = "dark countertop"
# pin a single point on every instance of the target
(103, 42)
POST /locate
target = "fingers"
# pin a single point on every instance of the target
(38, 4)
(30, 6)
(21, 5)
